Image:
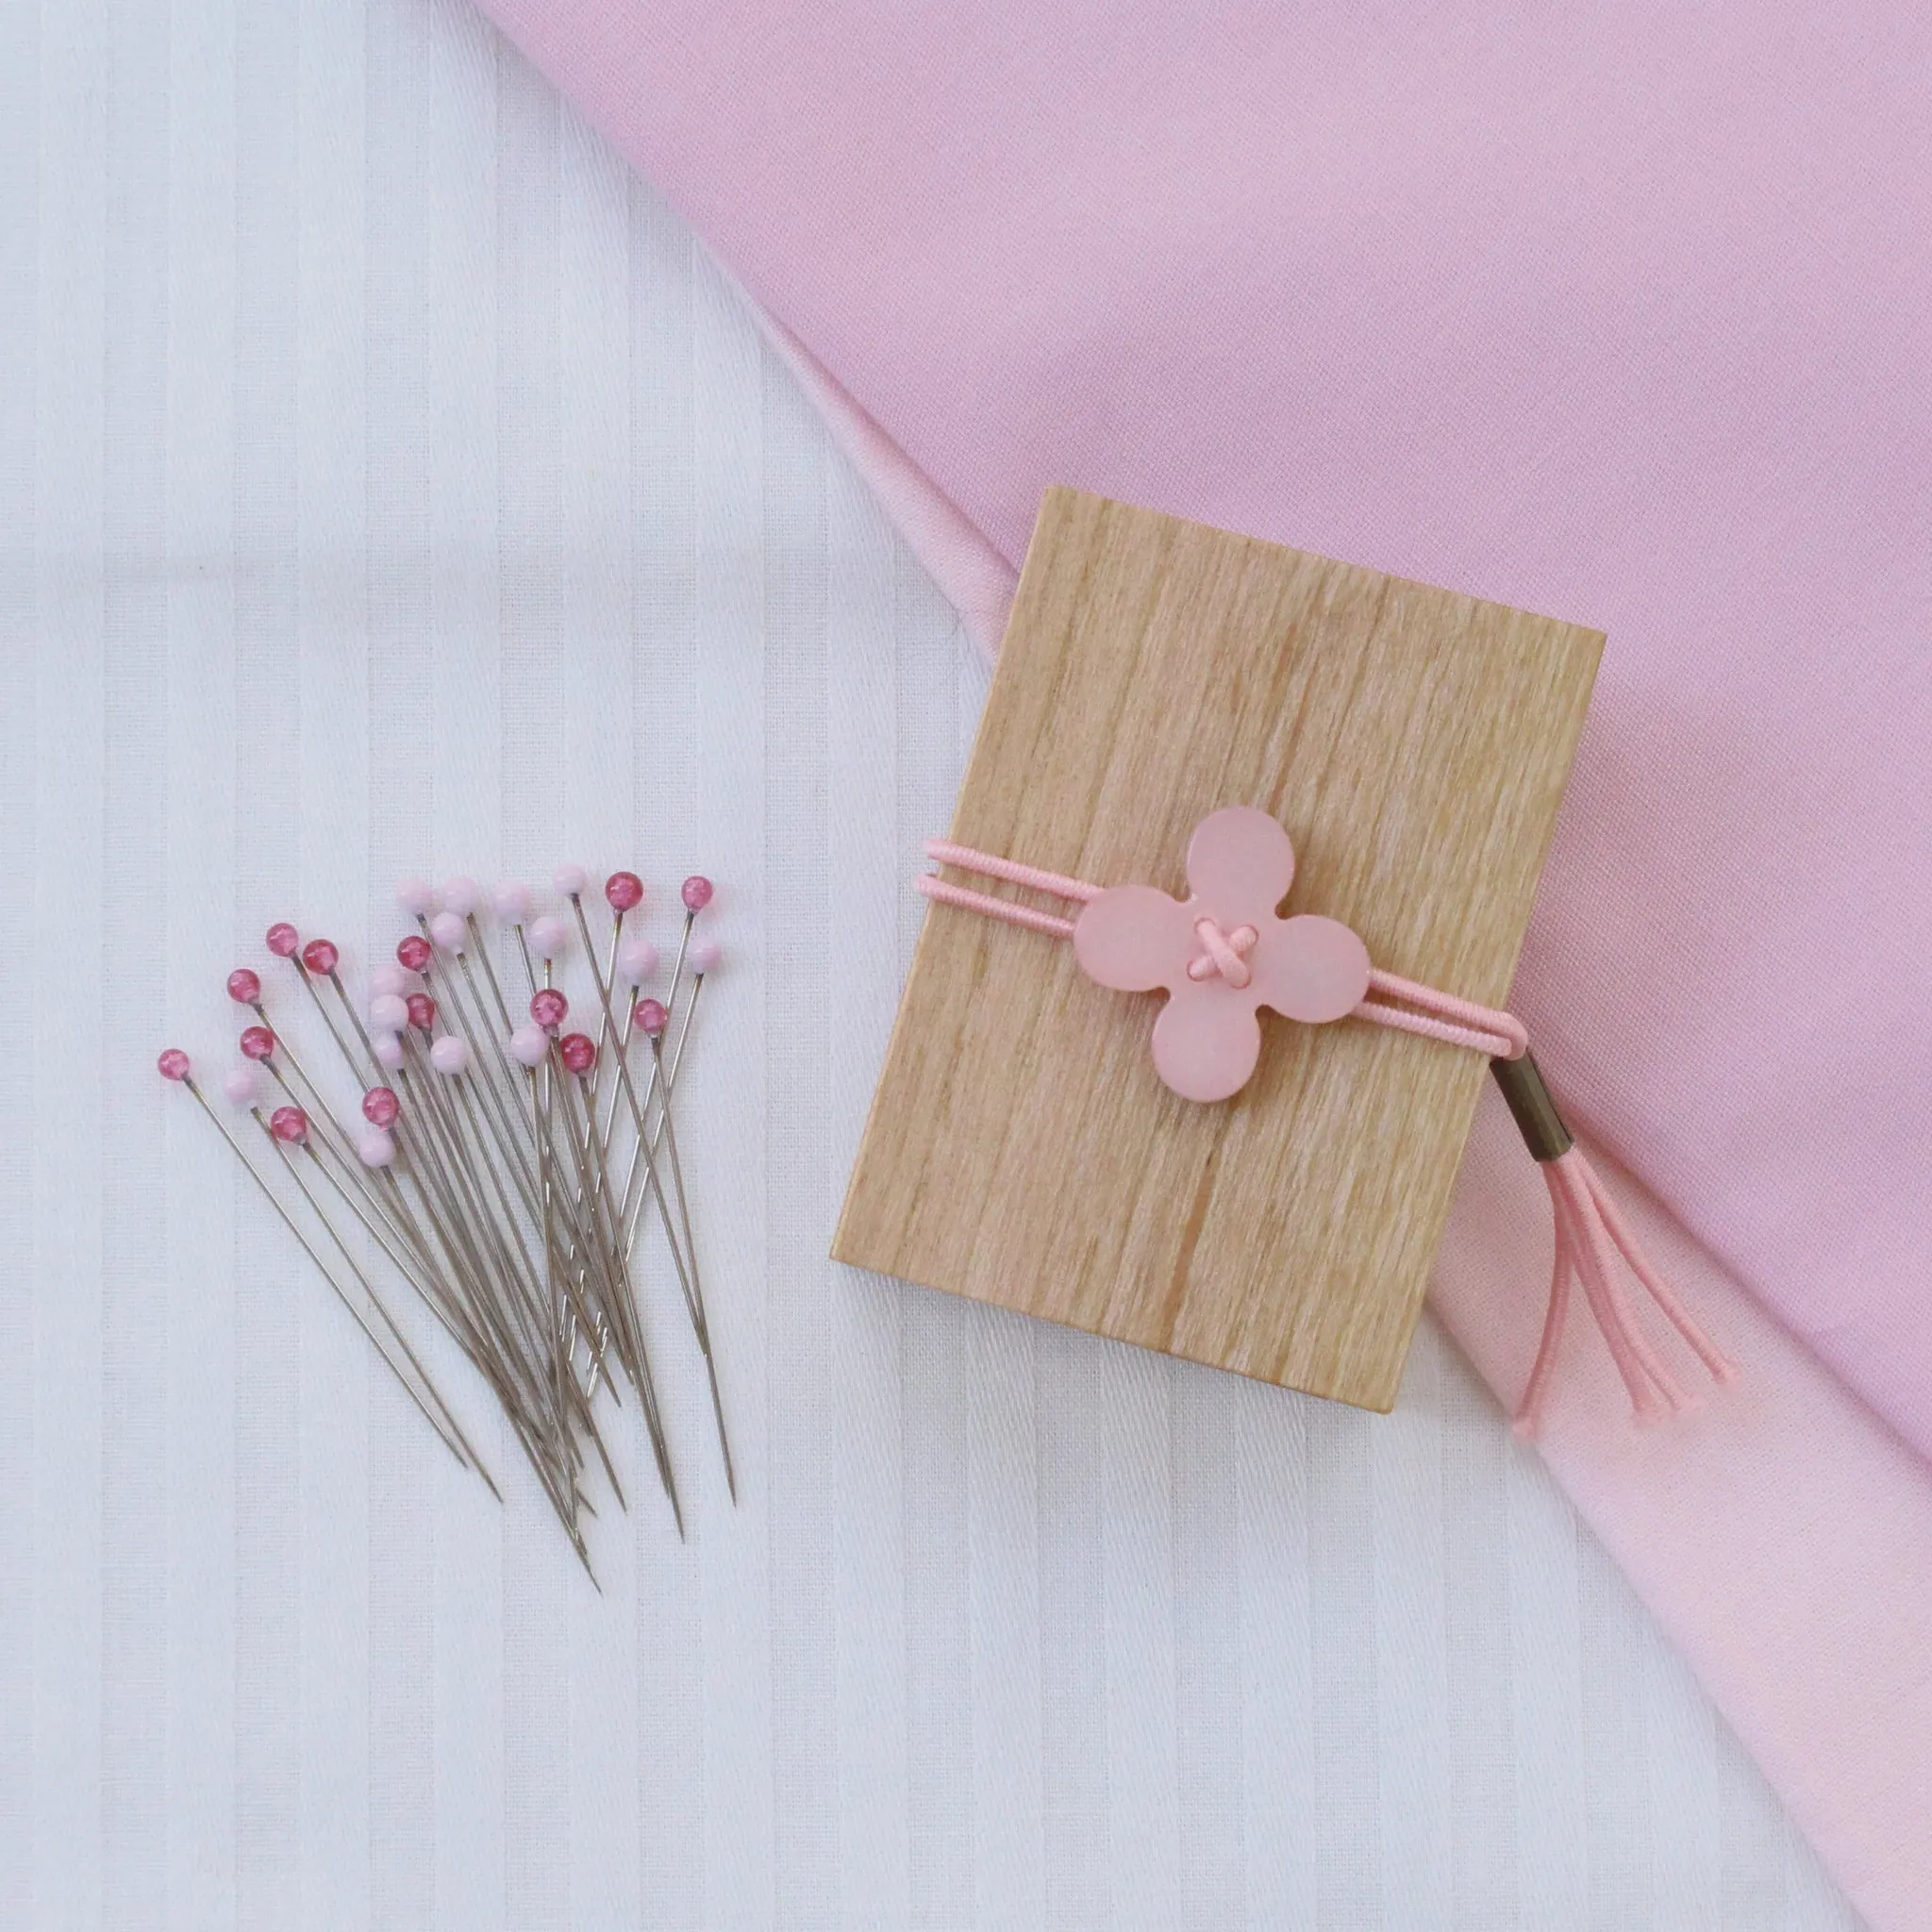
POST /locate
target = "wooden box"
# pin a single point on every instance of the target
(1021, 1148)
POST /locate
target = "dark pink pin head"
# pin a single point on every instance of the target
(414, 952)
(244, 987)
(258, 1042)
(380, 1106)
(321, 956)
(695, 892)
(173, 1064)
(422, 1012)
(578, 1052)
(288, 1123)
(651, 1016)
(549, 1008)
(624, 891)
(283, 940)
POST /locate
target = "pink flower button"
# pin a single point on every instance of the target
(1222, 954)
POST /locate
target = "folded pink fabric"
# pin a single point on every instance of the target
(1620, 314)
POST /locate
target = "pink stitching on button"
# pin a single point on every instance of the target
(1222, 954)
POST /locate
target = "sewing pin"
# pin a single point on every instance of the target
(654, 1019)
(175, 1065)
(287, 1127)
(702, 956)
(451, 933)
(577, 1054)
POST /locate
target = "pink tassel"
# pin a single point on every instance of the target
(1589, 1229)
(1591, 1233)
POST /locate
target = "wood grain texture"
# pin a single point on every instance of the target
(1021, 1148)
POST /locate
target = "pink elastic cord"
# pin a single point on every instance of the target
(1442, 1016)
(1223, 953)
(1009, 909)
(992, 867)
(1439, 1016)
(1590, 1230)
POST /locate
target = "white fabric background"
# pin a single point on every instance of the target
(388, 484)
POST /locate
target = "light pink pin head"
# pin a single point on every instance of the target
(244, 987)
(651, 1017)
(637, 960)
(422, 1012)
(549, 1008)
(450, 1054)
(388, 1050)
(387, 980)
(321, 956)
(258, 1042)
(512, 903)
(529, 1046)
(376, 1148)
(578, 1052)
(288, 1123)
(569, 880)
(284, 941)
(1222, 953)
(624, 891)
(703, 956)
(449, 932)
(390, 1011)
(414, 952)
(696, 892)
(417, 898)
(461, 896)
(549, 937)
(173, 1064)
(380, 1106)
(242, 1085)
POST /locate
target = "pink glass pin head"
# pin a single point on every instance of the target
(1222, 953)
(624, 891)
(245, 987)
(283, 940)
(449, 1054)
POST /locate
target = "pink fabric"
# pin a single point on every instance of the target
(1615, 313)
